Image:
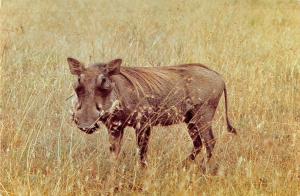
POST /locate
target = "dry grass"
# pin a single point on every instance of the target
(255, 44)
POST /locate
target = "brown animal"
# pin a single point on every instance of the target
(144, 97)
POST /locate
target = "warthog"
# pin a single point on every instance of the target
(142, 97)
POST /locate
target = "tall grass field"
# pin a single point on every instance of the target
(254, 44)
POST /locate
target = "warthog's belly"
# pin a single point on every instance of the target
(169, 117)
(158, 116)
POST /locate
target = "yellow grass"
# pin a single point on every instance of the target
(254, 44)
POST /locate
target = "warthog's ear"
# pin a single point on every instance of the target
(76, 67)
(113, 67)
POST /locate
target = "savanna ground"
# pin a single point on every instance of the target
(254, 44)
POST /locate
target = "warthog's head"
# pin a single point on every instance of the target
(95, 93)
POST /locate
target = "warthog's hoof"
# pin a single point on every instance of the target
(144, 164)
(210, 167)
(186, 163)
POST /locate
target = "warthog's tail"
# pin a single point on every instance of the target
(230, 128)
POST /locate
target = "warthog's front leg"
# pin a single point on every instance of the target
(143, 135)
(115, 139)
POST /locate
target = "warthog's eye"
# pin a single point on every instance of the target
(98, 107)
(103, 84)
(79, 90)
(101, 91)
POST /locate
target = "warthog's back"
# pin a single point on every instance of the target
(190, 80)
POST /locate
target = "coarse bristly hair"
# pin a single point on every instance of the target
(150, 78)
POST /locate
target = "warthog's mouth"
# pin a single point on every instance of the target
(90, 130)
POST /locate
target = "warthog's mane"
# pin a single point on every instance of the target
(144, 79)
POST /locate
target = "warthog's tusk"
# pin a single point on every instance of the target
(115, 105)
(101, 113)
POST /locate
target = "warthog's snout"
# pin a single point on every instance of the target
(89, 129)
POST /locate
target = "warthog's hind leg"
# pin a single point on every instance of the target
(204, 124)
(195, 136)
(209, 141)
(199, 127)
